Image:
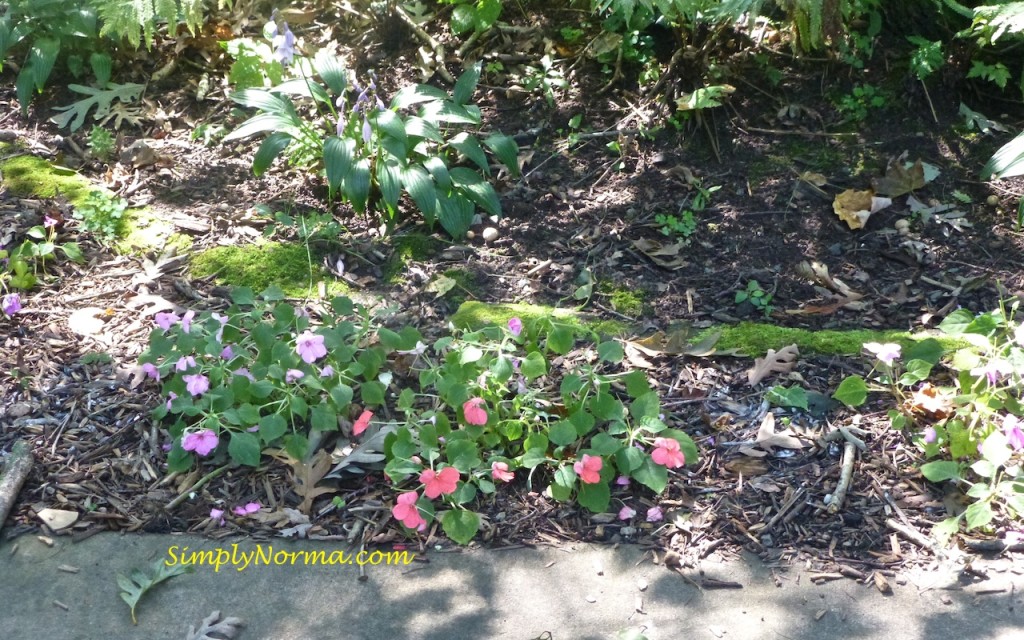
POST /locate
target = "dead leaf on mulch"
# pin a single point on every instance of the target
(89, 321)
(663, 254)
(931, 402)
(226, 629)
(899, 179)
(768, 438)
(781, 361)
(855, 207)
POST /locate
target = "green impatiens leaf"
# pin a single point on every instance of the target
(852, 391)
(652, 475)
(460, 525)
(136, 586)
(244, 448)
(940, 470)
(595, 497)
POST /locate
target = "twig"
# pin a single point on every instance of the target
(198, 485)
(839, 495)
(19, 463)
(435, 46)
(783, 132)
(910, 534)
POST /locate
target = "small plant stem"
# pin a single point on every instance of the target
(198, 485)
(929, 98)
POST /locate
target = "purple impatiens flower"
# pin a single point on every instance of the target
(310, 346)
(150, 370)
(196, 384)
(515, 325)
(1012, 431)
(166, 320)
(886, 353)
(292, 375)
(202, 442)
(11, 304)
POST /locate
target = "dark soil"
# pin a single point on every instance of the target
(579, 207)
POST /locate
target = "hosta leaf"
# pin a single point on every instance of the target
(391, 125)
(456, 214)
(262, 123)
(466, 84)
(330, 69)
(420, 128)
(269, 150)
(421, 189)
(506, 149)
(357, 184)
(479, 191)
(468, 146)
(262, 100)
(337, 160)
(416, 94)
(389, 182)
(439, 170)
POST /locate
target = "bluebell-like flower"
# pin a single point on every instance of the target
(367, 131)
(284, 45)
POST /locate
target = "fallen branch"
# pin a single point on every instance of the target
(198, 485)
(912, 535)
(19, 463)
(839, 495)
(427, 39)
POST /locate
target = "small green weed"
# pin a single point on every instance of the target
(101, 143)
(758, 297)
(101, 215)
(863, 98)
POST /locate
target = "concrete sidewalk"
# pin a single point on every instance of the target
(573, 592)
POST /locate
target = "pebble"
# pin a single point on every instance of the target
(992, 200)
(490, 234)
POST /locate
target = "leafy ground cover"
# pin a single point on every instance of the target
(752, 216)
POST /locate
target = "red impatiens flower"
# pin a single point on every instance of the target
(406, 511)
(442, 482)
(589, 469)
(362, 422)
(666, 453)
(500, 472)
(473, 412)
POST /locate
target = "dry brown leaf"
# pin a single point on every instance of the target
(931, 402)
(748, 467)
(676, 342)
(855, 207)
(768, 437)
(781, 361)
(816, 179)
(227, 628)
(635, 356)
(899, 179)
(659, 252)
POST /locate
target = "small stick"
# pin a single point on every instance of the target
(19, 463)
(910, 534)
(839, 495)
(198, 485)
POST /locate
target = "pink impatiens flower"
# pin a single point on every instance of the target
(186, 320)
(310, 346)
(588, 469)
(227, 353)
(1012, 430)
(473, 412)
(327, 372)
(406, 511)
(223, 320)
(217, 515)
(886, 353)
(515, 325)
(11, 304)
(500, 472)
(244, 372)
(667, 454)
(442, 482)
(362, 422)
(170, 398)
(166, 320)
(196, 384)
(654, 514)
(625, 513)
(247, 509)
(292, 375)
(202, 442)
(184, 362)
(150, 370)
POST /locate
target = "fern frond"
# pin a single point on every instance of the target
(999, 20)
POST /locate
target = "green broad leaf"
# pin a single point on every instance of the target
(41, 58)
(595, 497)
(487, 12)
(636, 384)
(610, 351)
(465, 493)
(583, 421)
(244, 448)
(792, 397)
(564, 483)
(420, 186)
(468, 146)
(25, 86)
(961, 444)
(978, 515)
(389, 181)
(392, 125)
(956, 323)
(916, 371)
(263, 123)
(463, 19)
(455, 214)
(298, 407)
(460, 525)
(417, 94)
(270, 148)
(331, 70)
(506, 149)
(646, 406)
(562, 433)
(652, 475)
(261, 389)
(272, 427)
(501, 369)
(249, 414)
(297, 446)
(466, 84)
(449, 112)
(136, 585)
(416, 127)
(604, 445)
(439, 171)
(605, 406)
(943, 531)
(995, 449)
(1007, 162)
(941, 470)
(470, 354)
(357, 184)
(628, 459)
(323, 419)
(72, 251)
(338, 154)
(852, 391)
(470, 183)
(372, 393)
(561, 339)
(929, 350)
(462, 454)
(533, 366)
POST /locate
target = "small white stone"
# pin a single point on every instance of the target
(470, 234)
(490, 234)
(992, 200)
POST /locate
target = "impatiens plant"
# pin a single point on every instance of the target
(371, 153)
(968, 426)
(465, 413)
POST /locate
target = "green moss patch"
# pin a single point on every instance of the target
(473, 315)
(409, 247)
(259, 266)
(29, 176)
(630, 302)
(144, 231)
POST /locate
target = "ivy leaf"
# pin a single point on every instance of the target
(460, 525)
(136, 586)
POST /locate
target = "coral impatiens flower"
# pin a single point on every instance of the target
(442, 482)
(589, 469)
(362, 422)
(196, 384)
(500, 472)
(202, 442)
(666, 453)
(473, 412)
(310, 346)
(406, 511)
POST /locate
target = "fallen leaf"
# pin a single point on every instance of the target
(855, 207)
(57, 519)
(226, 629)
(781, 361)
(441, 285)
(676, 342)
(659, 252)
(931, 402)
(818, 272)
(816, 179)
(88, 321)
(764, 483)
(900, 178)
(748, 467)
(768, 438)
